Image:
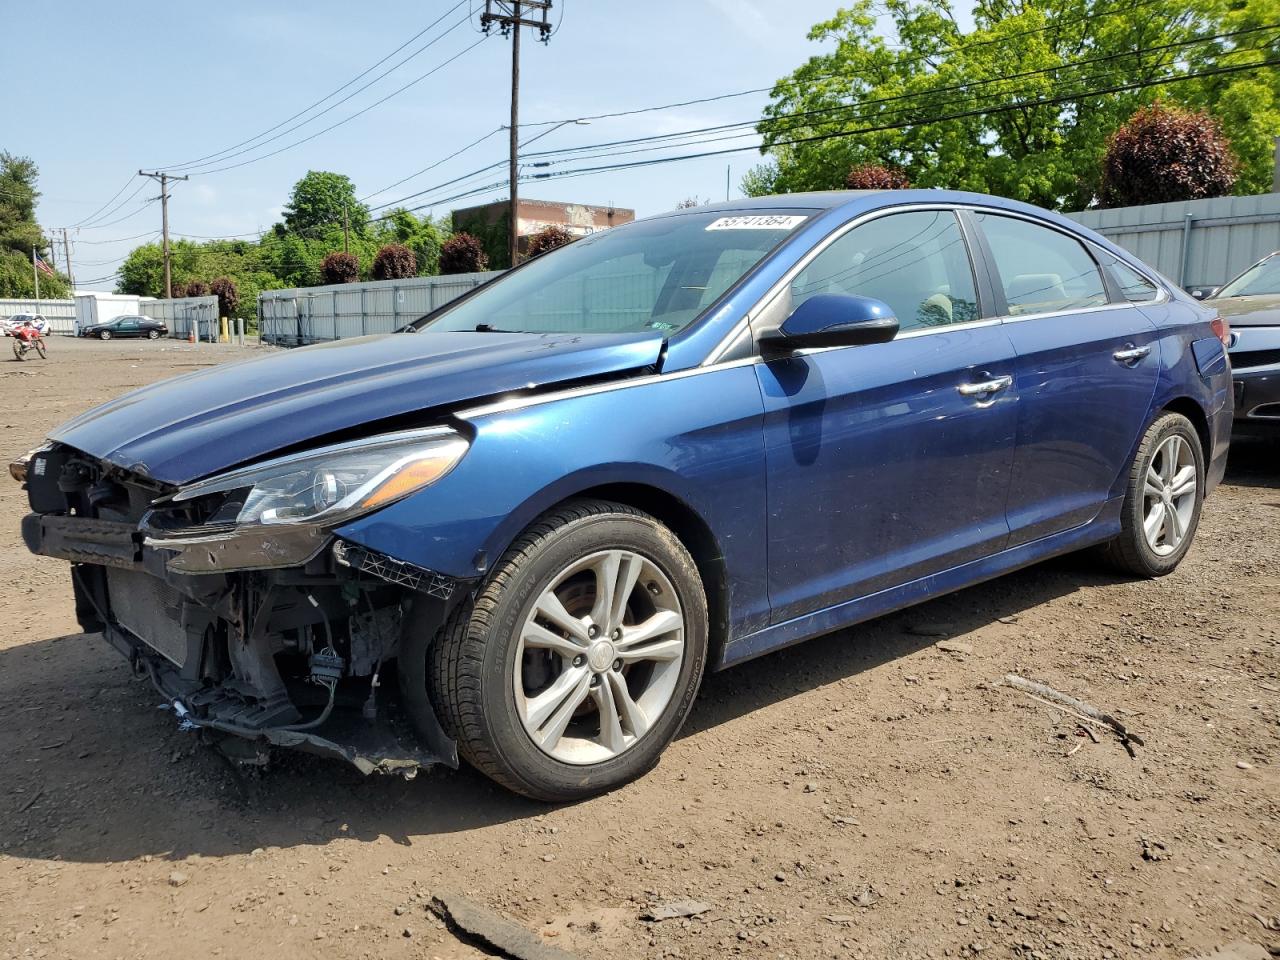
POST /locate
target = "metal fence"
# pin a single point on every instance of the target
(1197, 243)
(182, 314)
(315, 314)
(61, 314)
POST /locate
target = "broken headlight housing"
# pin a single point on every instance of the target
(331, 484)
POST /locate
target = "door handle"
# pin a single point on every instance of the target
(985, 387)
(1131, 354)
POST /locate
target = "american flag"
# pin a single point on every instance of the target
(41, 265)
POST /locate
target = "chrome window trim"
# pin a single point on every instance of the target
(794, 270)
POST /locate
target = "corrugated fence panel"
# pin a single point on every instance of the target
(182, 313)
(1197, 243)
(340, 311)
(61, 314)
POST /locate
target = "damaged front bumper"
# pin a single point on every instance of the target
(285, 638)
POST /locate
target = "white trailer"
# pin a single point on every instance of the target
(94, 308)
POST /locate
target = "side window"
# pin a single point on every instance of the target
(1133, 286)
(916, 262)
(1042, 270)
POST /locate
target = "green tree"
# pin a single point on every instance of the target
(322, 199)
(20, 234)
(923, 101)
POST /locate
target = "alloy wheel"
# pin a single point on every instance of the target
(1169, 495)
(598, 658)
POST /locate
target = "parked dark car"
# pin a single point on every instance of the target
(128, 326)
(1251, 303)
(531, 521)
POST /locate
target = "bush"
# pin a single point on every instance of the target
(178, 289)
(194, 288)
(1165, 154)
(548, 238)
(876, 176)
(394, 262)
(224, 288)
(463, 253)
(340, 268)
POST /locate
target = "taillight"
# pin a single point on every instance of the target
(1221, 329)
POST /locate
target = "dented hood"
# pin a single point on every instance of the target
(188, 427)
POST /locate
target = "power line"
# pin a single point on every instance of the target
(1047, 101)
(307, 109)
(473, 143)
(348, 119)
(127, 216)
(107, 204)
(137, 236)
(92, 223)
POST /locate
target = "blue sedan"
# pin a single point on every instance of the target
(520, 531)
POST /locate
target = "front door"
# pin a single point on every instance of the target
(888, 462)
(1086, 371)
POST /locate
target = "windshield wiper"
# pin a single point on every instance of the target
(490, 328)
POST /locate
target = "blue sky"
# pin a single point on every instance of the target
(150, 84)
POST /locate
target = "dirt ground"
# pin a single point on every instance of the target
(868, 794)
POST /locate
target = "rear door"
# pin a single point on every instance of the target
(1086, 370)
(891, 461)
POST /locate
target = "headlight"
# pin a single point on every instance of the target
(333, 483)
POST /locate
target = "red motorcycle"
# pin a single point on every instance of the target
(25, 339)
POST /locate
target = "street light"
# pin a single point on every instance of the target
(563, 123)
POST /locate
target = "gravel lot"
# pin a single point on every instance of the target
(868, 794)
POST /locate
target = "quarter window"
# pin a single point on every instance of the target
(916, 262)
(1041, 270)
(1134, 287)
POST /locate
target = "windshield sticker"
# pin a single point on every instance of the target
(767, 222)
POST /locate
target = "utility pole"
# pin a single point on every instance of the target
(508, 14)
(346, 229)
(164, 179)
(66, 252)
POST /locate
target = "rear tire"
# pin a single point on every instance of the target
(1162, 500)
(560, 709)
(18, 352)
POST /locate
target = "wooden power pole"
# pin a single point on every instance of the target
(66, 253)
(164, 179)
(509, 16)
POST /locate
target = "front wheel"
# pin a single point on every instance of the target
(1162, 502)
(39, 345)
(104, 335)
(579, 660)
(153, 334)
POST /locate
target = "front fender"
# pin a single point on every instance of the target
(695, 435)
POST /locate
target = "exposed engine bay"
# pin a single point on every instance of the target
(287, 636)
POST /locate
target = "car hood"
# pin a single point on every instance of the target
(1260, 311)
(188, 427)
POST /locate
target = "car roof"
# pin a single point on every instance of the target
(853, 202)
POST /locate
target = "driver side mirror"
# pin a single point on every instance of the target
(833, 320)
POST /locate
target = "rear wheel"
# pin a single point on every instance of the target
(1162, 500)
(580, 658)
(18, 352)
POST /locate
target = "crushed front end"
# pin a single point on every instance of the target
(257, 625)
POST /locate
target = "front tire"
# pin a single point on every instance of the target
(104, 335)
(153, 334)
(39, 345)
(579, 660)
(1162, 501)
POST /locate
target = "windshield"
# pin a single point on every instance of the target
(1259, 279)
(650, 275)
